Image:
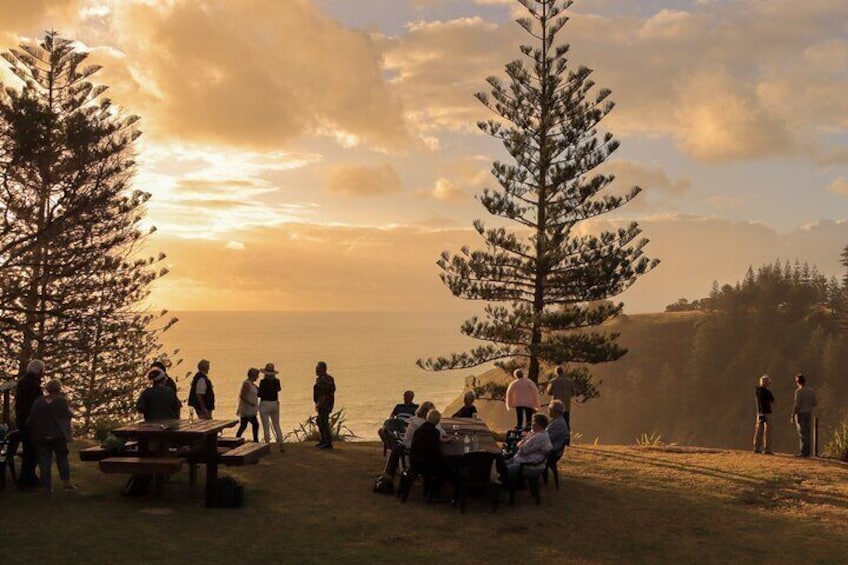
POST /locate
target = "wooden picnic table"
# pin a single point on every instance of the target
(473, 428)
(201, 436)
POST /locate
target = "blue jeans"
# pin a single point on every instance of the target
(45, 451)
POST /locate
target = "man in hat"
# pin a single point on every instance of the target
(201, 395)
(171, 383)
(269, 404)
(324, 395)
(158, 401)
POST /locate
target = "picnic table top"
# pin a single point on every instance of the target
(173, 427)
(461, 427)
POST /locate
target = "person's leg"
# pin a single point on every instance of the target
(518, 416)
(324, 427)
(758, 434)
(804, 432)
(767, 434)
(567, 416)
(27, 477)
(254, 423)
(275, 420)
(45, 461)
(266, 423)
(60, 449)
(242, 426)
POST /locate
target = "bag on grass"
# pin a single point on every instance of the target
(384, 485)
(224, 492)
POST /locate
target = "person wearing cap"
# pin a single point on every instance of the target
(802, 414)
(27, 392)
(269, 404)
(762, 429)
(248, 405)
(158, 401)
(171, 383)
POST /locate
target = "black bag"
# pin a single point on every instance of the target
(384, 485)
(138, 485)
(224, 492)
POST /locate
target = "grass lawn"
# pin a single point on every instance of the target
(615, 505)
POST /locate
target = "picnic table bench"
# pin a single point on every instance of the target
(161, 448)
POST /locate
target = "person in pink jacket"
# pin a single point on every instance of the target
(523, 395)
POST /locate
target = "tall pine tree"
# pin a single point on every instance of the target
(70, 275)
(551, 283)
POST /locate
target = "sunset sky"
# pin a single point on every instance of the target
(320, 154)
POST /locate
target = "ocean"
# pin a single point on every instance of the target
(371, 355)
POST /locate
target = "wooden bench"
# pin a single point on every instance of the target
(141, 465)
(230, 442)
(245, 454)
(98, 452)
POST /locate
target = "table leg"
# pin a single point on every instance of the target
(211, 449)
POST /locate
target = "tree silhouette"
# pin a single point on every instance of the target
(71, 278)
(552, 283)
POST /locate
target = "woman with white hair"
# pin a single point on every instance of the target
(50, 429)
(523, 395)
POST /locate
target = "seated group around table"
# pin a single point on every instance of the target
(424, 436)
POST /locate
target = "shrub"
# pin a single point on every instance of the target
(837, 448)
(308, 429)
(650, 440)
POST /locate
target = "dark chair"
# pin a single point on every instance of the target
(408, 478)
(392, 431)
(8, 449)
(474, 473)
(530, 473)
(553, 459)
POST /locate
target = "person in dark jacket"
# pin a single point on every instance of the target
(324, 396)
(158, 401)
(201, 395)
(26, 393)
(468, 409)
(762, 429)
(426, 455)
(49, 426)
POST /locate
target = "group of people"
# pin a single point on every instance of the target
(522, 394)
(424, 437)
(159, 401)
(43, 417)
(801, 417)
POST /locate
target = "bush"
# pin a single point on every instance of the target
(308, 429)
(838, 446)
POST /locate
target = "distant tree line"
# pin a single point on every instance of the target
(692, 379)
(73, 275)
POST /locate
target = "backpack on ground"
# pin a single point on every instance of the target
(224, 492)
(384, 484)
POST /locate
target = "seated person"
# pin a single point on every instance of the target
(407, 409)
(532, 450)
(468, 409)
(159, 401)
(426, 453)
(558, 428)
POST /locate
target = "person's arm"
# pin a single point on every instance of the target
(140, 404)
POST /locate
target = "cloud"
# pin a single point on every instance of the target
(839, 185)
(363, 180)
(652, 178)
(447, 191)
(324, 267)
(255, 73)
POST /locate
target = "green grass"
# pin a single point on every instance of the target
(615, 505)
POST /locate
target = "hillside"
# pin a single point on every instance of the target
(615, 504)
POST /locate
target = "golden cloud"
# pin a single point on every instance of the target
(363, 180)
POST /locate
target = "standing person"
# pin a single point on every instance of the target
(762, 429)
(802, 413)
(158, 401)
(50, 430)
(249, 404)
(324, 395)
(201, 395)
(561, 388)
(269, 404)
(26, 393)
(523, 395)
(169, 382)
